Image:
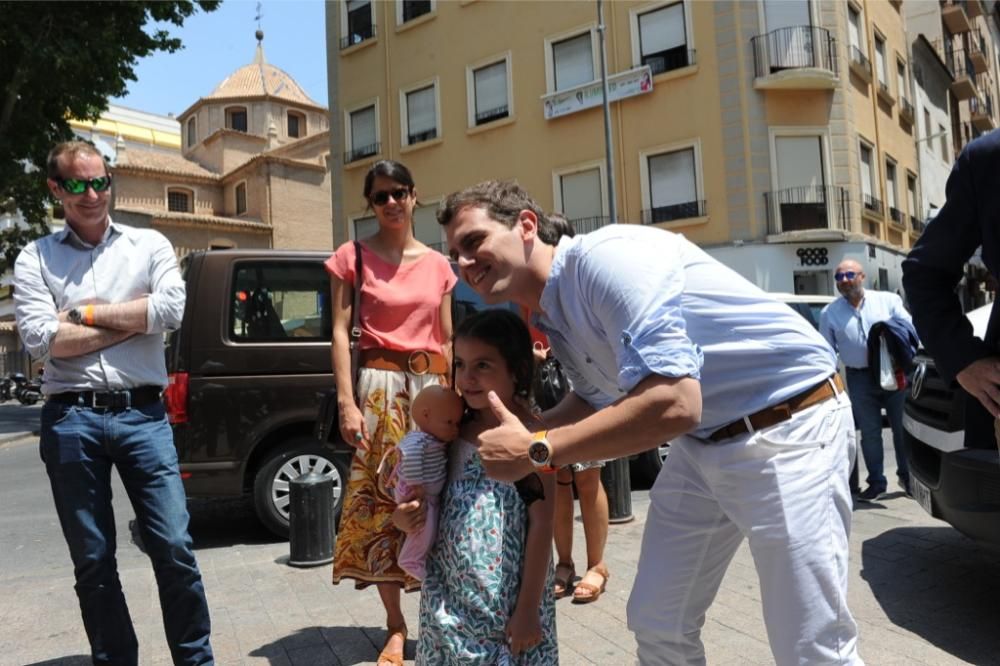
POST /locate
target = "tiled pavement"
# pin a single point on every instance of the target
(921, 593)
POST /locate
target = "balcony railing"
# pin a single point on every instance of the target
(981, 113)
(916, 225)
(964, 74)
(361, 152)
(897, 216)
(681, 211)
(906, 110)
(358, 35)
(583, 225)
(796, 47)
(979, 52)
(860, 64)
(872, 204)
(417, 137)
(669, 60)
(489, 115)
(807, 207)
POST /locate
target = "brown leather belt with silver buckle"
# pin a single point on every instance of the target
(775, 414)
(418, 362)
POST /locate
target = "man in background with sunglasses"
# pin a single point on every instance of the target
(845, 324)
(93, 301)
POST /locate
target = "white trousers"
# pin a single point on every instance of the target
(784, 488)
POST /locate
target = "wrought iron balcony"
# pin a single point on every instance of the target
(979, 54)
(897, 216)
(357, 35)
(963, 74)
(418, 137)
(860, 64)
(681, 211)
(916, 225)
(669, 60)
(489, 115)
(583, 225)
(906, 110)
(798, 57)
(885, 93)
(807, 207)
(872, 206)
(361, 152)
(981, 113)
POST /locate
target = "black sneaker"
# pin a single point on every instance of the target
(870, 494)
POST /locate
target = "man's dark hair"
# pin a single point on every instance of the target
(72, 149)
(503, 201)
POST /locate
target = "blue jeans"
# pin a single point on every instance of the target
(868, 399)
(79, 446)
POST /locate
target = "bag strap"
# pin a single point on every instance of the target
(355, 332)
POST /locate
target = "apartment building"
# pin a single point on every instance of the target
(781, 135)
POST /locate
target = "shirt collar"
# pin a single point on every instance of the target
(550, 315)
(67, 235)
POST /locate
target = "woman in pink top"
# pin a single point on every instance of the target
(405, 336)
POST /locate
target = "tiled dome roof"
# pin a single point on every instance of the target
(260, 78)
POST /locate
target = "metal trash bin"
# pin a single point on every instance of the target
(311, 530)
(618, 486)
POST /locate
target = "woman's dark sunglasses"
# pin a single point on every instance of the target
(847, 275)
(381, 198)
(76, 186)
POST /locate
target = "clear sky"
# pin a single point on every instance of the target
(220, 42)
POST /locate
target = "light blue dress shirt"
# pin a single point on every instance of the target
(60, 271)
(626, 301)
(846, 328)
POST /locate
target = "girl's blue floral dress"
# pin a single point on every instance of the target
(474, 573)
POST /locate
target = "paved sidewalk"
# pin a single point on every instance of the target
(921, 593)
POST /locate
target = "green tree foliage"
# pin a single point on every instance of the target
(61, 60)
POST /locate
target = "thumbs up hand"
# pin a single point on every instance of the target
(504, 449)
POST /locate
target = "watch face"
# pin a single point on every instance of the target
(538, 452)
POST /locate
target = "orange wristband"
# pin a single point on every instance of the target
(88, 314)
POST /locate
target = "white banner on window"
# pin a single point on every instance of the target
(638, 81)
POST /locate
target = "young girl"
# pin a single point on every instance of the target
(485, 599)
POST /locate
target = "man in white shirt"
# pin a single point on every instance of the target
(661, 341)
(845, 324)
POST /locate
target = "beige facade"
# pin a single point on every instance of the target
(740, 124)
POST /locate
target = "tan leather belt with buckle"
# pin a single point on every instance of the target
(775, 414)
(418, 362)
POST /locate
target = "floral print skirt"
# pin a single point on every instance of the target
(368, 544)
(474, 575)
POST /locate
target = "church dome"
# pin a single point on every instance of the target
(261, 79)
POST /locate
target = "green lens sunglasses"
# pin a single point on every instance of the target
(76, 186)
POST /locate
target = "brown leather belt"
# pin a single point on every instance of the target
(418, 362)
(775, 414)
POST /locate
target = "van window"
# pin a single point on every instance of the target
(286, 301)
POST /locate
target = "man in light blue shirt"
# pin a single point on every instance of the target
(662, 342)
(93, 302)
(845, 324)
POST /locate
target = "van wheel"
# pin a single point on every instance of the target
(271, 490)
(646, 466)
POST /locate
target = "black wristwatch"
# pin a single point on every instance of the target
(75, 316)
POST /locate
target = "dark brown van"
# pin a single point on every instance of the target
(245, 370)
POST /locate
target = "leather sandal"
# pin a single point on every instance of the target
(394, 658)
(562, 583)
(591, 592)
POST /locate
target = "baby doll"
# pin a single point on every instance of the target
(423, 466)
